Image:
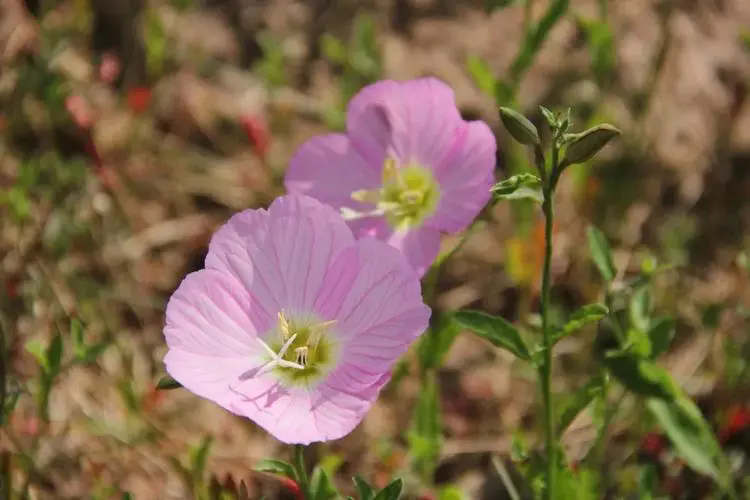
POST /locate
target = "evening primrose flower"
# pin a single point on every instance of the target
(293, 323)
(408, 168)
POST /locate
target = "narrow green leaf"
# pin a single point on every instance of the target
(168, 383)
(276, 467)
(76, 333)
(496, 330)
(689, 433)
(640, 309)
(520, 186)
(392, 491)
(199, 455)
(321, 486)
(661, 333)
(601, 253)
(583, 316)
(128, 394)
(93, 352)
(425, 435)
(550, 116)
(482, 74)
(578, 401)
(36, 348)
(535, 38)
(54, 354)
(436, 342)
(365, 490)
(642, 376)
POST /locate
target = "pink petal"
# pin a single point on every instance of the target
(367, 120)
(415, 121)
(281, 256)
(383, 312)
(420, 246)
(307, 236)
(329, 169)
(211, 314)
(211, 377)
(465, 177)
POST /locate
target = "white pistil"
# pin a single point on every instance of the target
(277, 359)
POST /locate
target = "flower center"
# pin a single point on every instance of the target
(303, 351)
(408, 195)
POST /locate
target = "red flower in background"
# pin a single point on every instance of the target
(257, 134)
(139, 99)
(652, 445)
(738, 420)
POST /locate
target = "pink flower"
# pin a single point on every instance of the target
(293, 323)
(408, 168)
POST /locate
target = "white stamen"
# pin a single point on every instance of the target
(301, 353)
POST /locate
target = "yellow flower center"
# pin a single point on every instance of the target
(304, 348)
(408, 195)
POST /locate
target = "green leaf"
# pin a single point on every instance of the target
(451, 493)
(198, 457)
(279, 467)
(426, 434)
(641, 376)
(482, 74)
(640, 309)
(54, 354)
(550, 116)
(168, 383)
(36, 348)
(128, 394)
(519, 186)
(691, 436)
(601, 47)
(365, 490)
(492, 5)
(93, 352)
(333, 49)
(321, 486)
(127, 496)
(76, 333)
(436, 342)
(535, 38)
(583, 316)
(601, 253)
(578, 401)
(660, 334)
(496, 330)
(392, 491)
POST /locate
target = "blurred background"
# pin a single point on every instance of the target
(131, 129)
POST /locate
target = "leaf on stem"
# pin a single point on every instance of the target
(601, 253)
(495, 329)
(519, 186)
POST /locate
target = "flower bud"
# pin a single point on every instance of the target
(519, 127)
(586, 144)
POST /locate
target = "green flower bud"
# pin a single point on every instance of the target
(519, 127)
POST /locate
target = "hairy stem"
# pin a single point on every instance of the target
(546, 367)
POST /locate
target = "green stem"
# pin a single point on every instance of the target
(299, 467)
(546, 368)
